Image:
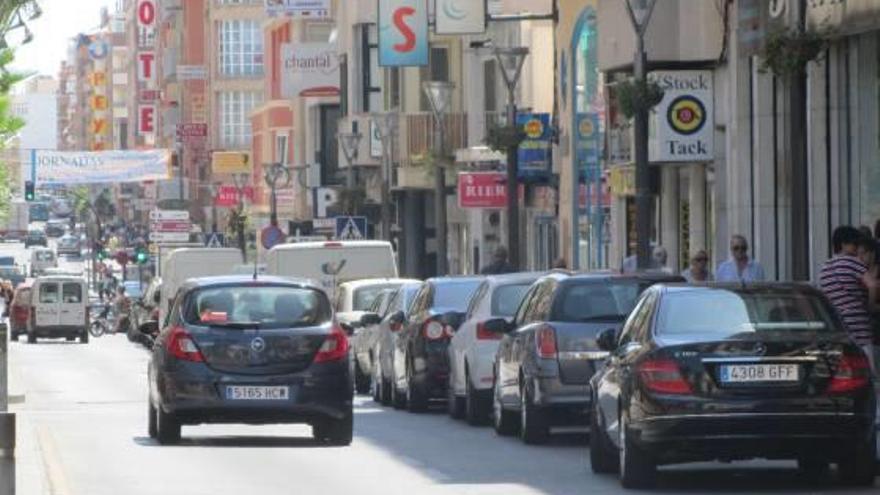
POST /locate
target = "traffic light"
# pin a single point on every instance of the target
(29, 192)
(141, 256)
(101, 251)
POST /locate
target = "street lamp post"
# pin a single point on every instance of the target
(350, 142)
(273, 173)
(386, 125)
(440, 97)
(640, 14)
(511, 60)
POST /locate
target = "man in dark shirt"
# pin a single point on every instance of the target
(499, 263)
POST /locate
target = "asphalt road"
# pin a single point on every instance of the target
(82, 431)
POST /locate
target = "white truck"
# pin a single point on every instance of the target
(16, 224)
(182, 264)
(333, 262)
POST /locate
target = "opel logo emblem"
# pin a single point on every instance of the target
(258, 344)
(760, 349)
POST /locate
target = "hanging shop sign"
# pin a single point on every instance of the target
(146, 23)
(146, 66)
(98, 49)
(482, 190)
(311, 9)
(534, 151)
(60, 167)
(403, 33)
(460, 16)
(146, 116)
(231, 162)
(588, 145)
(98, 103)
(309, 69)
(684, 129)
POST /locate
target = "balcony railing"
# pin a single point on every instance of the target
(416, 136)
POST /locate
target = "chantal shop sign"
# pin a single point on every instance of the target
(310, 69)
(683, 123)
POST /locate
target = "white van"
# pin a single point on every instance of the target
(333, 262)
(182, 264)
(41, 260)
(59, 309)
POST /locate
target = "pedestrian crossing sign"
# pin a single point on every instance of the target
(351, 228)
(214, 240)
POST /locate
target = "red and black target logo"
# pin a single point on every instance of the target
(686, 115)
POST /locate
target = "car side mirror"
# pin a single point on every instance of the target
(347, 328)
(369, 319)
(498, 325)
(397, 318)
(607, 340)
(453, 319)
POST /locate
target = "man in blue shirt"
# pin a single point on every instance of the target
(739, 268)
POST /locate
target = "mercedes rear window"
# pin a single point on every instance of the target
(257, 306)
(597, 301)
(724, 313)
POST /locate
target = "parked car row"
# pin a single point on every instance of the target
(658, 371)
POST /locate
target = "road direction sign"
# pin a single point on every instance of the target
(163, 237)
(171, 226)
(351, 228)
(162, 215)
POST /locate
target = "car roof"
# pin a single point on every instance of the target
(226, 280)
(356, 284)
(456, 278)
(330, 244)
(654, 277)
(60, 278)
(744, 288)
(513, 278)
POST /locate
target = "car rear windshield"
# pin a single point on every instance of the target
(506, 299)
(597, 301)
(45, 255)
(365, 296)
(723, 313)
(454, 295)
(251, 306)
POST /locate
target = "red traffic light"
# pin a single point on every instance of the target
(122, 258)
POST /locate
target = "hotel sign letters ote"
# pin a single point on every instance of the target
(146, 65)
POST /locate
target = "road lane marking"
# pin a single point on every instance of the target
(52, 466)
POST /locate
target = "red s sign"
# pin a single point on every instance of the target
(409, 36)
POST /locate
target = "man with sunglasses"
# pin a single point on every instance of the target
(739, 268)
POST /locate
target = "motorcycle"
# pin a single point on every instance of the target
(101, 323)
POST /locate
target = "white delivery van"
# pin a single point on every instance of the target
(59, 309)
(180, 265)
(41, 260)
(333, 262)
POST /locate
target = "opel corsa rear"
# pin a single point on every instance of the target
(731, 373)
(235, 350)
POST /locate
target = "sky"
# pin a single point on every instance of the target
(61, 20)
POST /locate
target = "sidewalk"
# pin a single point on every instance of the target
(30, 468)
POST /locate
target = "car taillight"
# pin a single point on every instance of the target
(155, 314)
(852, 373)
(433, 330)
(334, 348)
(663, 376)
(545, 341)
(483, 334)
(181, 345)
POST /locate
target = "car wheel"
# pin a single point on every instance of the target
(336, 431)
(476, 409)
(604, 458)
(533, 428)
(376, 386)
(386, 396)
(637, 470)
(454, 404)
(70, 338)
(84, 337)
(32, 338)
(860, 467)
(167, 428)
(398, 399)
(503, 421)
(152, 420)
(416, 399)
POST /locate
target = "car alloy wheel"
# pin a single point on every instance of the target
(604, 458)
(152, 420)
(504, 422)
(475, 410)
(533, 428)
(454, 404)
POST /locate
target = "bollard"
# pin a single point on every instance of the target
(7, 421)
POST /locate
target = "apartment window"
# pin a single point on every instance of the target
(281, 150)
(241, 48)
(235, 117)
(437, 70)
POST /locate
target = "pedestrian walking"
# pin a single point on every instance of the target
(499, 263)
(560, 264)
(698, 270)
(739, 267)
(849, 285)
(659, 257)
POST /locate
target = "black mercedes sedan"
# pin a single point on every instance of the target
(238, 350)
(723, 372)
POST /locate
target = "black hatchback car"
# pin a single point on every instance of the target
(420, 354)
(238, 350)
(731, 372)
(549, 352)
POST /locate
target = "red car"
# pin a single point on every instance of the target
(19, 310)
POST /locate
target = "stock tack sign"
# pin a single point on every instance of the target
(403, 33)
(684, 120)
